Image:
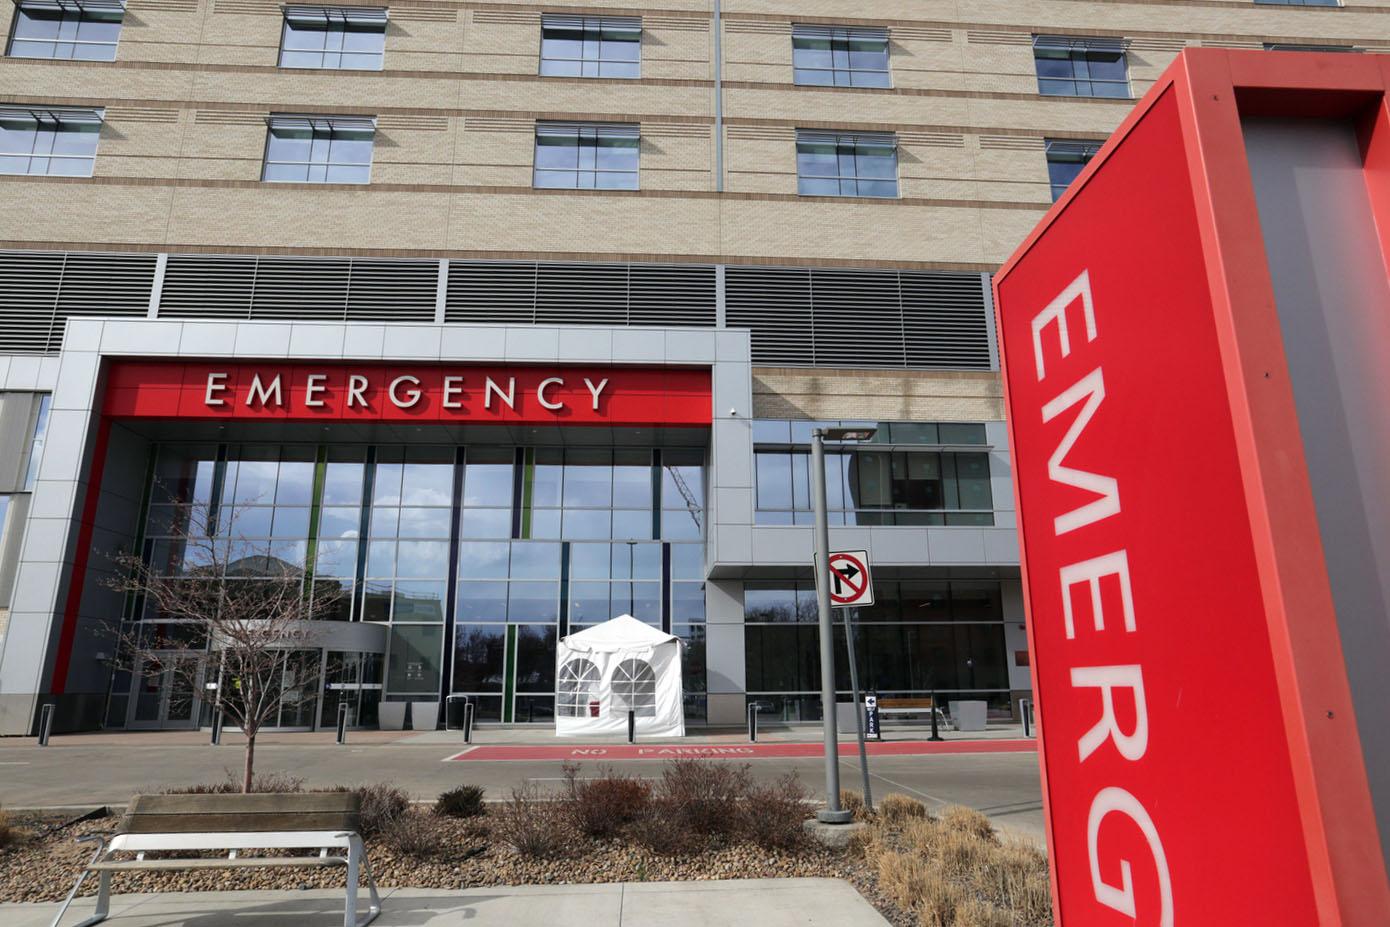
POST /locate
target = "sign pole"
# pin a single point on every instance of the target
(858, 713)
(832, 814)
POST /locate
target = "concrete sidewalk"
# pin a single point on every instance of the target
(765, 902)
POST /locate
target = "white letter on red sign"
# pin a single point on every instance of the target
(263, 393)
(453, 386)
(1121, 899)
(1091, 387)
(595, 390)
(1056, 311)
(357, 385)
(313, 386)
(215, 385)
(540, 392)
(509, 397)
(1107, 679)
(1090, 572)
(412, 395)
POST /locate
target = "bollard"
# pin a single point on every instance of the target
(468, 722)
(342, 722)
(753, 710)
(1025, 710)
(631, 726)
(935, 735)
(45, 724)
(216, 738)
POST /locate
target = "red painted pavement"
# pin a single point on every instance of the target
(733, 751)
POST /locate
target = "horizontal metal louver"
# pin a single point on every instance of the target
(774, 303)
(838, 318)
(41, 290)
(322, 289)
(554, 293)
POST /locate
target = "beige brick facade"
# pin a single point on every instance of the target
(180, 155)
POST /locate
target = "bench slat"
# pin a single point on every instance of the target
(150, 823)
(904, 703)
(236, 803)
(241, 862)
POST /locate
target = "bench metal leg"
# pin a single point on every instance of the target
(357, 859)
(103, 907)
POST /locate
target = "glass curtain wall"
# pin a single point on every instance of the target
(502, 549)
(919, 635)
(557, 539)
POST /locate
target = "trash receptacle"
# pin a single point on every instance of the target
(453, 712)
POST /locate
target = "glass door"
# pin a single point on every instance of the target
(167, 698)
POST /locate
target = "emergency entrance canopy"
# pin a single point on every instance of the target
(622, 664)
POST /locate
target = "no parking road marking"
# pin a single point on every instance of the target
(608, 752)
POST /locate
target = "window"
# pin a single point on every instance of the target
(831, 56)
(352, 38)
(36, 445)
(634, 689)
(319, 149)
(577, 689)
(1065, 160)
(1297, 46)
(831, 164)
(1071, 67)
(573, 156)
(48, 142)
(86, 31)
(591, 46)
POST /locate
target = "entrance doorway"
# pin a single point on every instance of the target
(169, 698)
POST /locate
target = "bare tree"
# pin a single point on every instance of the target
(234, 599)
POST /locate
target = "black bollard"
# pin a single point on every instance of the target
(45, 724)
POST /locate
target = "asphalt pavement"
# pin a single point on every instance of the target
(80, 771)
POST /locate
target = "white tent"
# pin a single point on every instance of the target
(622, 664)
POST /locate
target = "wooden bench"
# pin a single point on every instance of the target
(908, 706)
(317, 821)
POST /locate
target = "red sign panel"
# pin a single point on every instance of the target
(277, 391)
(1169, 786)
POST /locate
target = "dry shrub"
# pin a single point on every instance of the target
(921, 835)
(603, 806)
(853, 802)
(658, 832)
(703, 797)
(9, 834)
(896, 808)
(967, 821)
(774, 814)
(940, 902)
(1019, 880)
(464, 801)
(975, 913)
(413, 834)
(531, 826)
(965, 855)
(260, 782)
(903, 877)
(382, 805)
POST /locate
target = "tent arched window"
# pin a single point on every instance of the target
(576, 687)
(634, 688)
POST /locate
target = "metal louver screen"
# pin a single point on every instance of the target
(41, 290)
(531, 292)
(832, 318)
(335, 290)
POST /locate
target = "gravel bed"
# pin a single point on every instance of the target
(44, 866)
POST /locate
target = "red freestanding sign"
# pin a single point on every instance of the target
(1194, 343)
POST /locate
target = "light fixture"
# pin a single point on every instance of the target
(849, 434)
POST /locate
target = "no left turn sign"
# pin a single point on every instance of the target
(849, 579)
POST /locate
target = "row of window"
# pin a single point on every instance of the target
(354, 38)
(62, 142)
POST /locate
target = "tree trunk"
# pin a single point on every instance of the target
(248, 774)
